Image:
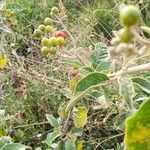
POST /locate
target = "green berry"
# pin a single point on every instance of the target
(45, 41)
(53, 50)
(61, 41)
(48, 21)
(52, 14)
(45, 51)
(49, 29)
(125, 35)
(55, 10)
(42, 27)
(129, 15)
(37, 33)
(53, 41)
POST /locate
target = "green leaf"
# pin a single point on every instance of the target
(142, 83)
(51, 137)
(4, 140)
(77, 131)
(15, 146)
(91, 79)
(73, 64)
(85, 85)
(103, 66)
(80, 116)
(61, 145)
(70, 145)
(126, 88)
(89, 69)
(52, 120)
(99, 54)
(137, 129)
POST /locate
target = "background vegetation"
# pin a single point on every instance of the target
(32, 86)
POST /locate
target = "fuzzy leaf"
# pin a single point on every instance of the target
(137, 129)
(51, 137)
(142, 83)
(70, 145)
(99, 54)
(85, 85)
(52, 120)
(80, 116)
(15, 146)
(126, 88)
(92, 79)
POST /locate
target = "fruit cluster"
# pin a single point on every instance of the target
(8, 13)
(51, 40)
(129, 17)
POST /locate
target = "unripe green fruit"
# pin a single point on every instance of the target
(48, 21)
(12, 13)
(49, 29)
(37, 33)
(55, 10)
(45, 41)
(45, 51)
(53, 41)
(129, 15)
(125, 35)
(42, 27)
(52, 14)
(61, 41)
(53, 50)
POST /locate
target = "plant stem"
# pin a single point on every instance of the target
(65, 127)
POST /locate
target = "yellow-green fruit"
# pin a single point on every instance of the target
(53, 41)
(12, 13)
(55, 10)
(48, 21)
(45, 51)
(37, 33)
(49, 29)
(61, 41)
(129, 15)
(125, 35)
(53, 50)
(45, 41)
(42, 27)
(52, 14)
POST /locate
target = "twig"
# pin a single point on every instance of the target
(28, 125)
(108, 139)
(139, 68)
(65, 127)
